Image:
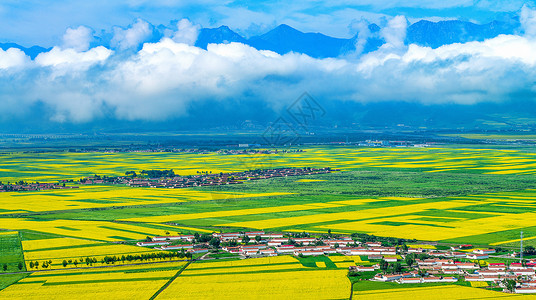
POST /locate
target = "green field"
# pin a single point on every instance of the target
(450, 195)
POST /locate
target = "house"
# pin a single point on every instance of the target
(522, 272)
(309, 253)
(497, 266)
(456, 254)
(365, 269)
(474, 277)
(466, 266)
(198, 250)
(271, 235)
(525, 290)
(390, 259)
(491, 272)
(516, 266)
(371, 257)
(305, 241)
(174, 238)
(231, 249)
(530, 283)
(150, 244)
(267, 252)
(411, 280)
(484, 251)
(177, 247)
(439, 279)
(285, 249)
(477, 256)
(416, 250)
(374, 244)
(387, 278)
(253, 234)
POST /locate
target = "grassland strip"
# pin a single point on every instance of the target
(170, 281)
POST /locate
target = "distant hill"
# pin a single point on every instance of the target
(436, 34)
(220, 35)
(284, 39)
(31, 52)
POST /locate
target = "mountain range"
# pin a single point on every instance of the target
(284, 39)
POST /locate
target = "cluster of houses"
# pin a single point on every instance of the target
(16, 187)
(412, 277)
(273, 244)
(206, 179)
(440, 266)
(164, 243)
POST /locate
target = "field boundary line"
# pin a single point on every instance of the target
(170, 280)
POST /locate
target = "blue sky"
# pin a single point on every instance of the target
(140, 76)
(44, 22)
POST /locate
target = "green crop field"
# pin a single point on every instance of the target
(449, 195)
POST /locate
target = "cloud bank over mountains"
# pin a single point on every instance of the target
(145, 72)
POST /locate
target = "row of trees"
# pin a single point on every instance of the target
(19, 266)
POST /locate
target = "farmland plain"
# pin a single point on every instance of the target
(450, 195)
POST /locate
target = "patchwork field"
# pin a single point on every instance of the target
(438, 292)
(64, 165)
(87, 197)
(129, 282)
(477, 196)
(263, 278)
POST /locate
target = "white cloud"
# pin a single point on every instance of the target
(394, 32)
(12, 58)
(528, 20)
(77, 38)
(186, 32)
(70, 58)
(132, 36)
(165, 79)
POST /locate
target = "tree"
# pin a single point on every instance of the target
(4, 267)
(19, 266)
(397, 267)
(215, 242)
(410, 259)
(384, 265)
(75, 263)
(510, 284)
(246, 239)
(64, 263)
(529, 250)
(258, 238)
(31, 265)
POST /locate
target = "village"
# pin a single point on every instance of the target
(165, 179)
(24, 186)
(418, 263)
(168, 179)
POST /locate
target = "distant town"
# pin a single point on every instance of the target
(168, 179)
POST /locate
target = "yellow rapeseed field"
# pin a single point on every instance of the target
(454, 292)
(252, 283)
(105, 283)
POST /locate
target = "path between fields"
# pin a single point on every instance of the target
(171, 280)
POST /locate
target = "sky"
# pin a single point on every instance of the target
(137, 78)
(44, 22)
